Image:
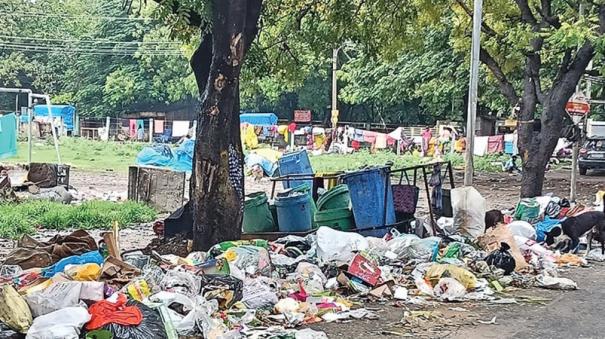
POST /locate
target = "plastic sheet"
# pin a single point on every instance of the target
(522, 228)
(55, 297)
(250, 259)
(161, 155)
(338, 247)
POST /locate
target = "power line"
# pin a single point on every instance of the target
(91, 41)
(85, 51)
(106, 48)
(64, 16)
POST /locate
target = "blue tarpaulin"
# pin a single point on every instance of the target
(258, 119)
(161, 155)
(67, 112)
(8, 136)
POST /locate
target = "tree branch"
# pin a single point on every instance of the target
(201, 61)
(545, 11)
(484, 27)
(506, 87)
(251, 26)
(526, 14)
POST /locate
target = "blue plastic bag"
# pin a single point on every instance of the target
(93, 257)
(546, 226)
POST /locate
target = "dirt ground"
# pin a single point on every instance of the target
(561, 314)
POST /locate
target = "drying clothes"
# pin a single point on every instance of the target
(381, 141)
(140, 129)
(132, 123)
(8, 136)
(355, 145)
(495, 144)
(358, 135)
(180, 128)
(480, 146)
(158, 126)
(105, 312)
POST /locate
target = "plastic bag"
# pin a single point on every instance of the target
(86, 272)
(227, 290)
(181, 282)
(523, 229)
(250, 259)
(410, 247)
(492, 239)
(554, 283)
(337, 247)
(61, 324)
(57, 296)
(595, 255)
(449, 289)
(257, 293)
(501, 258)
(14, 311)
(438, 271)
(86, 258)
(151, 326)
(469, 211)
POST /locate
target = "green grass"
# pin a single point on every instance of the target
(25, 217)
(83, 154)
(341, 162)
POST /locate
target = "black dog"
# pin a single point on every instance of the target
(574, 227)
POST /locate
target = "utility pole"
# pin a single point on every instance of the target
(472, 94)
(334, 115)
(576, 144)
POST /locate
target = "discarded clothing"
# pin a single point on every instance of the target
(105, 312)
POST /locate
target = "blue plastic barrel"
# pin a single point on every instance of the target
(295, 163)
(294, 212)
(368, 198)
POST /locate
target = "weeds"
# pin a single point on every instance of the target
(24, 218)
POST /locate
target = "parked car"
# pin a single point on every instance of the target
(592, 155)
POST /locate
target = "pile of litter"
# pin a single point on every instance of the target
(69, 287)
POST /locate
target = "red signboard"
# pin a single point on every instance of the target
(302, 116)
(577, 105)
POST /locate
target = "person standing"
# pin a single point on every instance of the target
(426, 138)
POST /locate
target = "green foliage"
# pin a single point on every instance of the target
(24, 218)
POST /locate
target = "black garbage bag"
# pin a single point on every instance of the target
(226, 289)
(7, 333)
(151, 326)
(502, 258)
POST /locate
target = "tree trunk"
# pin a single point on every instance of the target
(217, 184)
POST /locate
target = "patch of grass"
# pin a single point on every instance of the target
(24, 218)
(83, 153)
(341, 162)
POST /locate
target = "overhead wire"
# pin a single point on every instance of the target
(65, 16)
(46, 49)
(104, 48)
(101, 41)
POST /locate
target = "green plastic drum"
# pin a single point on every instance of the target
(257, 216)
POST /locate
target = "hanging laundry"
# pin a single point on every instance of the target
(358, 135)
(495, 144)
(381, 141)
(369, 136)
(180, 128)
(133, 128)
(158, 126)
(8, 136)
(480, 148)
(140, 129)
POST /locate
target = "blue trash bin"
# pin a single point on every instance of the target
(367, 190)
(295, 163)
(294, 212)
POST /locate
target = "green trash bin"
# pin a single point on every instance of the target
(257, 216)
(336, 198)
(340, 219)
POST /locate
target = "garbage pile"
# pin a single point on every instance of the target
(71, 287)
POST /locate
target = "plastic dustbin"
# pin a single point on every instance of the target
(367, 191)
(295, 163)
(257, 215)
(294, 212)
(336, 198)
(340, 219)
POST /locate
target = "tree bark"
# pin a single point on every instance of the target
(217, 189)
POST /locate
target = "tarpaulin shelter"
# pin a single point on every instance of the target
(258, 119)
(66, 112)
(8, 136)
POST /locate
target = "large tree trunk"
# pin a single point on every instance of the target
(217, 184)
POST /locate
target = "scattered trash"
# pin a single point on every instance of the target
(501, 258)
(490, 322)
(554, 283)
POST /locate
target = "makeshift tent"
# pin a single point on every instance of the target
(8, 136)
(258, 119)
(66, 112)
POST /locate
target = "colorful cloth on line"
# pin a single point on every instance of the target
(8, 136)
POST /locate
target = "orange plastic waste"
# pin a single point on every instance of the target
(105, 312)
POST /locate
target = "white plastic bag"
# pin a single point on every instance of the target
(449, 289)
(257, 293)
(523, 229)
(55, 297)
(469, 211)
(555, 283)
(337, 246)
(62, 324)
